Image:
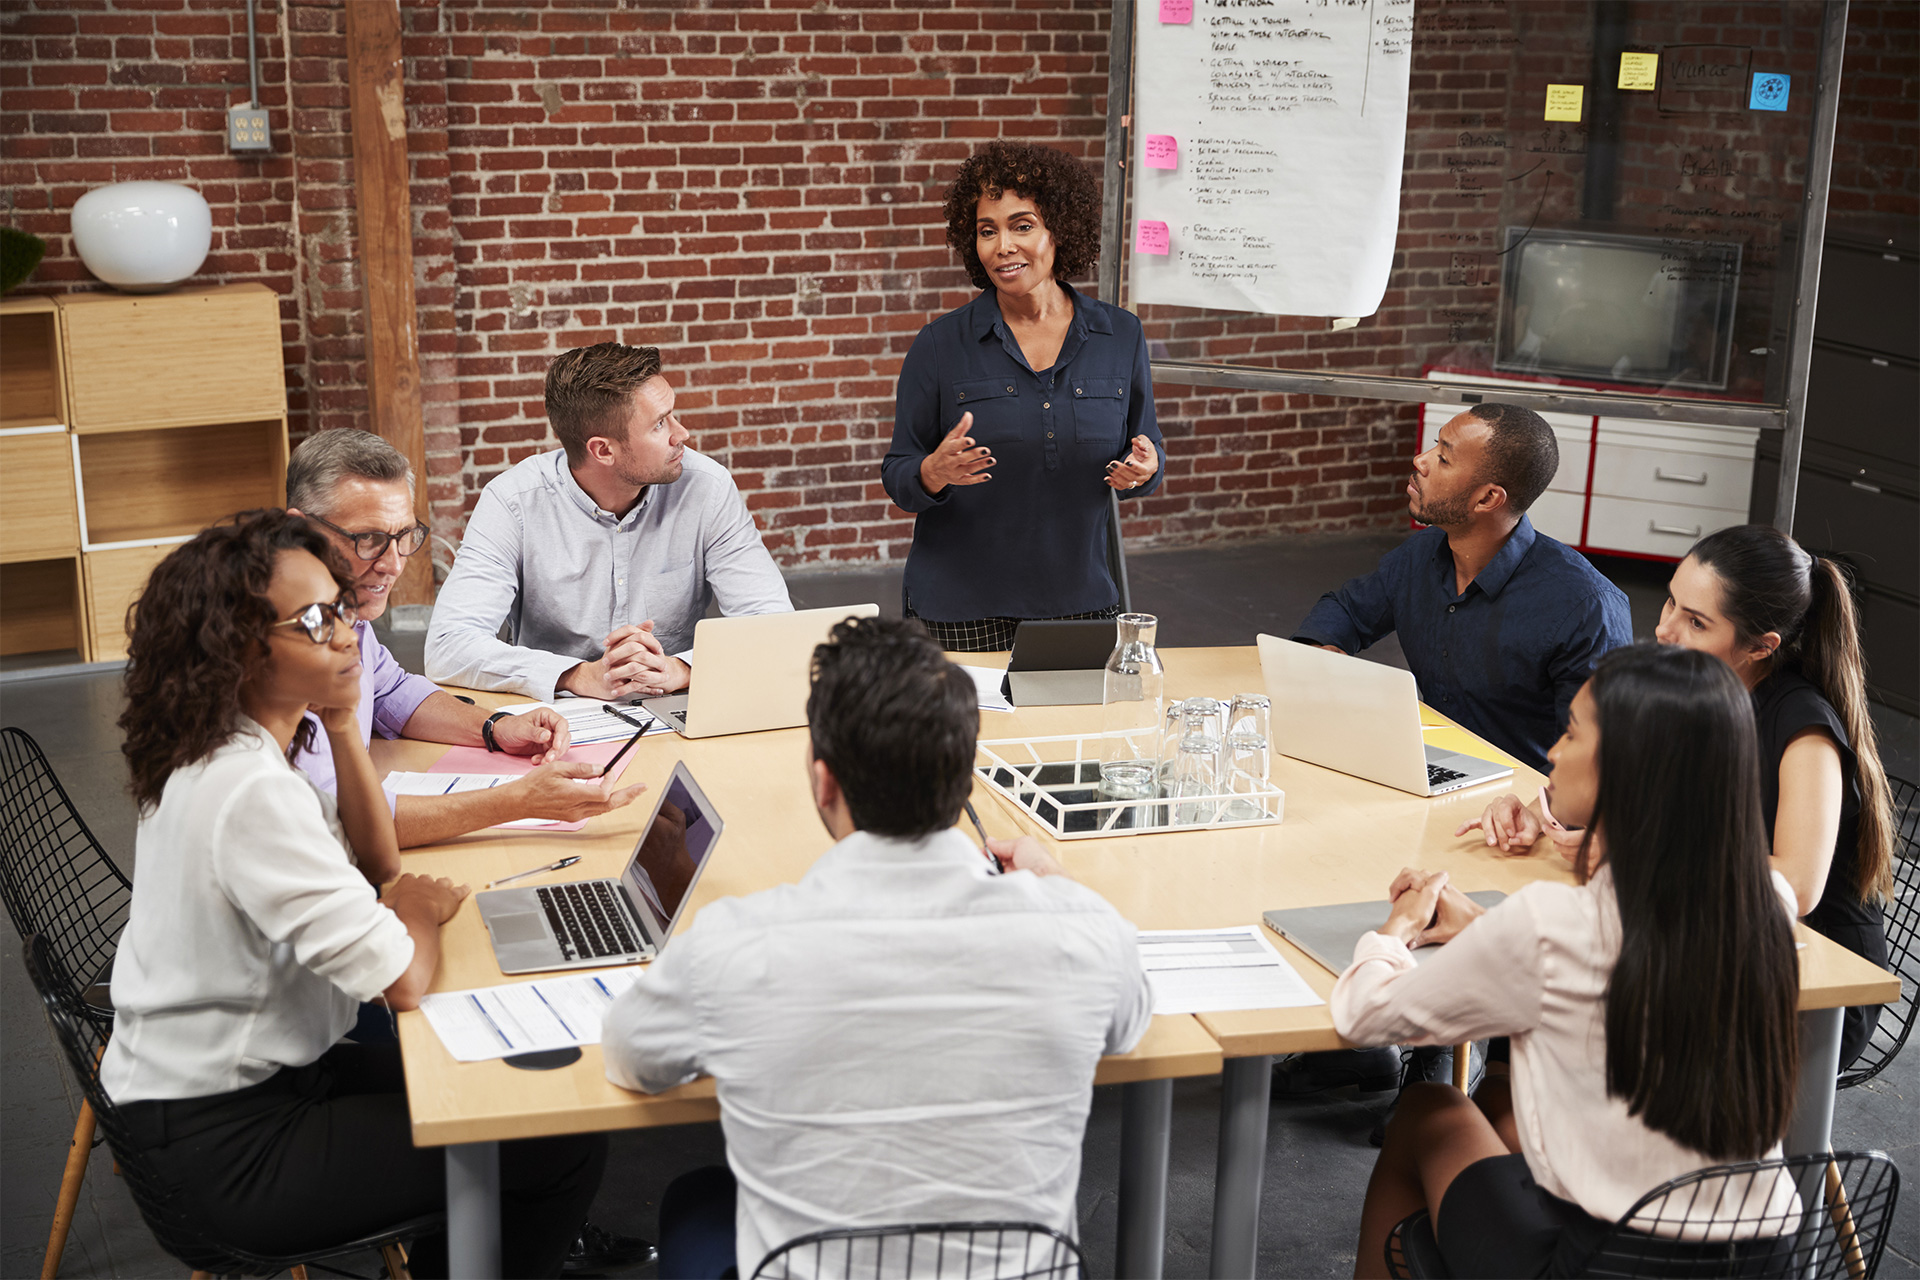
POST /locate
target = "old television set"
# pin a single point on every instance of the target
(1609, 307)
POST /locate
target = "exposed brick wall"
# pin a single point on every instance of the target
(754, 187)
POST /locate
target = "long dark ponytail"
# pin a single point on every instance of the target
(1702, 1041)
(1768, 582)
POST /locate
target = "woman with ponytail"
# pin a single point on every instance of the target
(1784, 621)
(1651, 1006)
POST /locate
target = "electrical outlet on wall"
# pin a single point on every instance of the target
(247, 128)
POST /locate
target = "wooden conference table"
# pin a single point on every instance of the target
(1342, 840)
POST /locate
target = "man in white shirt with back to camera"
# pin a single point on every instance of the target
(599, 557)
(904, 1035)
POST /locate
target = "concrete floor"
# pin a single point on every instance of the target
(1319, 1158)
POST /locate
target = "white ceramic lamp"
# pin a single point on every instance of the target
(142, 237)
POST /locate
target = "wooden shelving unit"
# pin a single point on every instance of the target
(127, 424)
(42, 601)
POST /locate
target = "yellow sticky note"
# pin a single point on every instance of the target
(1637, 70)
(1563, 101)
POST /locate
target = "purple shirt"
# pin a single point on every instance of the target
(389, 695)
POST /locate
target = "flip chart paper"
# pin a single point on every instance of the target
(1563, 101)
(1153, 237)
(1770, 91)
(1162, 151)
(1291, 125)
(1176, 10)
(1639, 70)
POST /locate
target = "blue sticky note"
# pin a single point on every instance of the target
(1769, 91)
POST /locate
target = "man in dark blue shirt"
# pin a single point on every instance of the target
(1500, 623)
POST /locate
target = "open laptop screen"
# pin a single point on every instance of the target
(670, 855)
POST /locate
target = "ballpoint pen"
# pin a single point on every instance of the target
(618, 714)
(522, 875)
(993, 863)
(637, 735)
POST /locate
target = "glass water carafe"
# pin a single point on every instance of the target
(1131, 699)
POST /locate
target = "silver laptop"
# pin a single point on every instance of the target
(588, 924)
(1329, 934)
(1361, 718)
(751, 673)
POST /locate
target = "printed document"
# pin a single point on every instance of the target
(524, 1017)
(1214, 970)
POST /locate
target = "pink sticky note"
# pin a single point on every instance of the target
(1163, 151)
(1151, 238)
(1176, 10)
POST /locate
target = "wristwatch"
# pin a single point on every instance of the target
(486, 729)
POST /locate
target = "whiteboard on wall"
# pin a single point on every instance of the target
(1268, 138)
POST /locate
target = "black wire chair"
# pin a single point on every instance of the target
(168, 1211)
(1836, 1227)
(956, 1250)
(55, 878)
(58, 883)
(1901, 913)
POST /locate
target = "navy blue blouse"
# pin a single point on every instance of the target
(1031, 542)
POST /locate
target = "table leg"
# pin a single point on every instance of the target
(1246, 1090)
(1812, 1126)
(1146, 1125)
(473, 1210)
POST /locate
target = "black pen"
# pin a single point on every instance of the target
(618, 714)
(993, 863)
(637, 735)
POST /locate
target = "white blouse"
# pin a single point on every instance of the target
(1536, 968)
(251, 939)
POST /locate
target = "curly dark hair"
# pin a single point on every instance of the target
(1061, 186)
(196, 633)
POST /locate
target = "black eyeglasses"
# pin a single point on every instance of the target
(373, 543)
(319, 618)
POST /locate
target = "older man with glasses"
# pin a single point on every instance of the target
(358, 490)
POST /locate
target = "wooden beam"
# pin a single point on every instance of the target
(377, 88)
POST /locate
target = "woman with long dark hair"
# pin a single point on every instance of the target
(1651, 1006)
(1784, 621)
(256, 929)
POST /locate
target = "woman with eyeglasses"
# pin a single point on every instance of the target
(255, 929)
(1650, 1005)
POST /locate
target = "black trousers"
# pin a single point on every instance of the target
(321, 1154)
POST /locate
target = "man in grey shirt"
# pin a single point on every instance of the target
(600, 556)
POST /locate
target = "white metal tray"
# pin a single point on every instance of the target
(1056, 780)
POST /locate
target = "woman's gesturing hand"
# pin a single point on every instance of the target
(956, 461)
(1136, 468)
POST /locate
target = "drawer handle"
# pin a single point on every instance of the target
(1654, 526)
(1659, 474)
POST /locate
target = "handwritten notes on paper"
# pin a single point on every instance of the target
(1162, 151)
(1176, 10)
(1290, 117)
(1151, 238)
(1563, 101)
(1639, 71)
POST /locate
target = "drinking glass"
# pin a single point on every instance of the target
(1248, 755)
(1195, 780)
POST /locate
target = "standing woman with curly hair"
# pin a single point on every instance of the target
(1016, 413)
(256, 929)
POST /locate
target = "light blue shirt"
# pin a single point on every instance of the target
(542, 559)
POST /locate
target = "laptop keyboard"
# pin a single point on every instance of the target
(586, 919)
(1438, 775)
